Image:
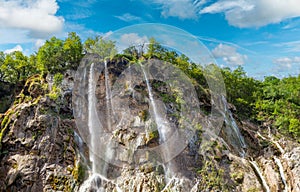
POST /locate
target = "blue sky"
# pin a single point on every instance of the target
(261, 35)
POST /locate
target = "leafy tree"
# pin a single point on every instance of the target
(50, 56)
(16, 67)
(72, 50)
(278, 103)
(241, 90)
(2, 58)
(58, 55)
(105, 48)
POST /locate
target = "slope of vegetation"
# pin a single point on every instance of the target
(273, 102)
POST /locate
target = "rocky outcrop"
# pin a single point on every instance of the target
(42, 150)
(38, 152)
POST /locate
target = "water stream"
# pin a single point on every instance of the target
(281, 172)
(92, 115)
(260, 175)
(108, 97)
(233, 133)
(163, 129)
(99, 166)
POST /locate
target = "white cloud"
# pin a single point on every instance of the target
(128, 17)
(183, 9)
(128, 39)
(133, 39)
(37, 17)
(287, 62)
(229, 55)
(290, 65)
(254, 13)
(16, 48)
(13, 36)
(291, 46)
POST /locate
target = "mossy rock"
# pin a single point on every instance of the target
(238, 176)
(79, 172)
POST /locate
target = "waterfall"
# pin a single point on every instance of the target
(79, 142)
(130, 86)
(107, 97)
(233, 132)
(95, 183)
(260, 175)
(98, 139)
(92, 115)
(163, 128)
(281, 172)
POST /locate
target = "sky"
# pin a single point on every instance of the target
(263, 36)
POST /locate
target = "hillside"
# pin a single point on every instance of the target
(142, 121)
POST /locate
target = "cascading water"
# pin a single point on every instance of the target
(233, 133)
(99, 167)
(260, 175)
(163, 129)
(108, 97)
(281, 172)
(80, 144)
(130, 88)
(92, 115)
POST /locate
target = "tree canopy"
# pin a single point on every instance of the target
(273, 101)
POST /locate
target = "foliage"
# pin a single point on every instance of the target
(72, 49)
(16, 67)
(212, 177)
(275, 101)
(58, 55)
(54, 93)
(241, 90)
(104, 48)
(278, 102)
(57, 79)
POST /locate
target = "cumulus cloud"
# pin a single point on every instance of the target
(130, 39)
(128, 17)
(183, 9)
(35, 16)
(287, 62)
(254, 13)
(229, 55)
(16, 48)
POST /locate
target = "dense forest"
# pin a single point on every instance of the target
(272, 102)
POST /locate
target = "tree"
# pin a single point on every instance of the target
(58, 55)
(104, 48)
(50, 56)
(155, 50)
(279, 104)
(241, 90)
(16, 68)
(72, 50)
(2, 58)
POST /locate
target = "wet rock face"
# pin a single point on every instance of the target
(38, 150)
(292, 163)
(40, 153)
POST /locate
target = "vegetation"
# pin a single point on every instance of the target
(278, 103)
(273, 102)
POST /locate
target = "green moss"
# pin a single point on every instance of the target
(79, 172)
(237, 176)
(253, 189)
(144, 115)
(4, 125)
(212, 177)
(54, 93)
(57, 79)
(153, 135)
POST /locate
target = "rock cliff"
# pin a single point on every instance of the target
(42, 148)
